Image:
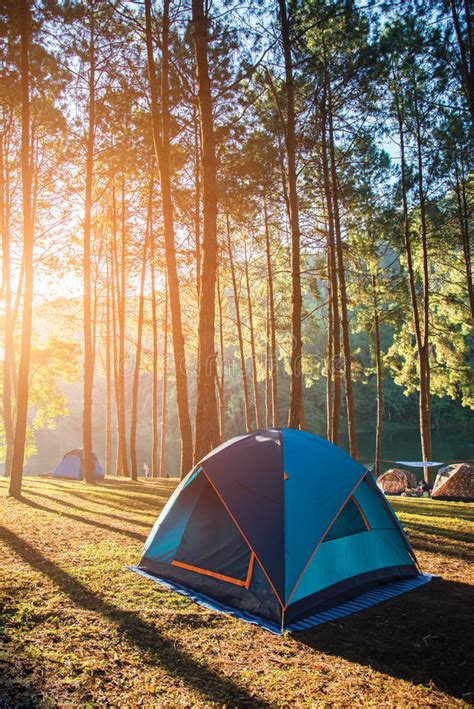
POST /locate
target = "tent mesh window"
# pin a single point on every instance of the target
(212, 543)
(349, 521)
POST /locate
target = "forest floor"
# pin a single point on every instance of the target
(77, 628)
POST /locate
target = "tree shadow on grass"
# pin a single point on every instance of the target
(434, 530)
(456, 550)
(143, 486)
(71, 505)
(425, 637)
(16, 688)
(142, 634)
(137, 500)
(151, 484)
(434, 508)
(84, 520)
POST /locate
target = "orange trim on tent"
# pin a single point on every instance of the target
(323, 537)
(240, 530)
(362, 513)
(250, 570)
(205, 572)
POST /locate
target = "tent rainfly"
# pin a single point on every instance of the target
(283, 529)
(395, 481)
(455, 482)
(71, 466)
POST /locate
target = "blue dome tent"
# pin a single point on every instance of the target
(71, 466)
(283, 529)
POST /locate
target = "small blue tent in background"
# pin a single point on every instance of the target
(71, 466)
(283, 529)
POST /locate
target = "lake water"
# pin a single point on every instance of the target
(448, 445)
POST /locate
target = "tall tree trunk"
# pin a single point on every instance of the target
(7, 391)
(271, 303)
(138, 351)
(108, 367)
(154, 391)
(197, 201)
(346, 347)
(164, 389)
(268, 379)
(207, 425)
(116, 358)
(334, 305)
(122, 320)
(248, 416)
(423, 346)
(329, 354)
(378, 377)
(118, 361)
(161, 141)
(466, 53)
(221, 378)
(89, 475)
(24, 366)
(424, 424)
(463, 217)
(95, 305)
(258, 414)
(295, 413)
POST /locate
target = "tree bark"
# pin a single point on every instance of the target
(423, 346)
(350, 408)
(221, 378)
(460, 192)
(7, 391)
(295, 413)
(271, 303)
(161, 141)
(329, 353)
(248, 416)
(138, 350)
(89, 476)
(466, 54)
(154, 393)
(115, 308)
(122, 323)
(108, 367)
(256, 401)
(378, 377)
(197, 201)
(207, 425)
(334, 304)
(268, 380)
(419, 335)
(164, 389)
(26, 177)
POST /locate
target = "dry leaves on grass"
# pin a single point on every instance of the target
(77, 628)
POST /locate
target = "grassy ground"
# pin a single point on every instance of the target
(80, 629)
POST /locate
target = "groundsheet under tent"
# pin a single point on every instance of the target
(365, 600)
